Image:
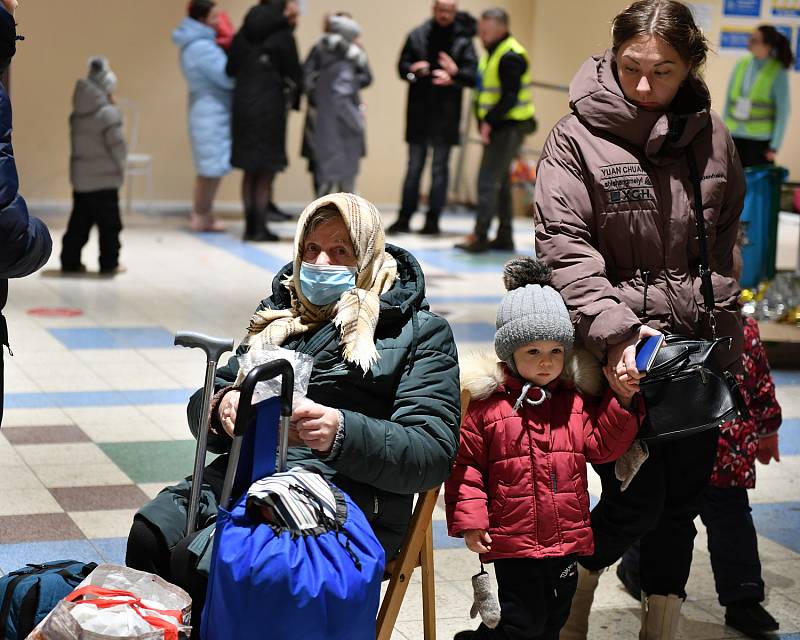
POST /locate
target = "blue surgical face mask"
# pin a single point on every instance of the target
(324, 283)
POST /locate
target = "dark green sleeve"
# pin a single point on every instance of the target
(414, 450)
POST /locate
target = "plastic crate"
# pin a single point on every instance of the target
(760, 222)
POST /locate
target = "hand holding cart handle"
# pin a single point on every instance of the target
(244, 414)
(214, 348)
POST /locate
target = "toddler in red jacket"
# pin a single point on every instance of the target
(518, 491)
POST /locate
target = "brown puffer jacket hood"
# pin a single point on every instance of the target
(597, 99)
(614, 207)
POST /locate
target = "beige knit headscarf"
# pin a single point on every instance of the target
(355, 314)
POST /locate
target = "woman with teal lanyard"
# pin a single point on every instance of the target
(757, 106)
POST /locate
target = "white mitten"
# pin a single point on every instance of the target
(485, 602)
(628, 464)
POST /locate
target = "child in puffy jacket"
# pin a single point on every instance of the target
(96, 169)
(518, 492)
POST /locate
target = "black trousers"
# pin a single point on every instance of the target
(440, 175)
(494, 181)
(91, 208)
(658, 508)
(732, 543)
(751, 152)
(535, 597)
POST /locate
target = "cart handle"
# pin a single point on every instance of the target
(259, 373)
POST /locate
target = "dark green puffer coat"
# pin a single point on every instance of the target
(401, 419)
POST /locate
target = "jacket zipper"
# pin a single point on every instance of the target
(646, 165)
(375, 504)
(646, 278)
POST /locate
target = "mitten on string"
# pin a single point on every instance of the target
(485, 602)
(628, 464)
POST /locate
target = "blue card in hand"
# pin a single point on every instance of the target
(646, 350)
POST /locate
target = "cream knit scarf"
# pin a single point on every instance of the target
(355, 314)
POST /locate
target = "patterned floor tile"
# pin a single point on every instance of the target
(103, 398)
(17, 477)
(85, 475)
(16, 556)
(152, 461)
(105, 338)
(111, 549)
(33, 417)
(779, 522)
(21, 502)
(104, 524)
(99, 498)
(141, 429)
(440, 538)
(37, 527)
(45, 434)
(62, 454)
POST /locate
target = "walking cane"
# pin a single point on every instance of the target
(213, 348)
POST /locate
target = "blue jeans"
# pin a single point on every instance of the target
(440, 175)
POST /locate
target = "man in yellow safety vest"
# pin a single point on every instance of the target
(505, 113)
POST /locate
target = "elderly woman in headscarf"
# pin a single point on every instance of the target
(382, 415)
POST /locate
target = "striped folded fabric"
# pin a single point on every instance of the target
(297, 499)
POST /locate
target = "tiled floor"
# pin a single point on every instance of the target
(95, 410)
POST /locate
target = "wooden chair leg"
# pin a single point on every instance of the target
(392, 601)
(417, 551)
(428, 586)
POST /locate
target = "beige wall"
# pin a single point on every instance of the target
(60, 36)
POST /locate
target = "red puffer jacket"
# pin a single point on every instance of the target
(521, 475)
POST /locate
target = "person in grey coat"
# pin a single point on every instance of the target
(210, 97)
(333, 74)
(25, 243)
(96, 169)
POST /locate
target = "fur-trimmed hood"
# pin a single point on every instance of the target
(482, 374)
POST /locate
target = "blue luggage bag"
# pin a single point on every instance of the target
(273, 581)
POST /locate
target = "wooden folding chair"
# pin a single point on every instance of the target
(417, 551)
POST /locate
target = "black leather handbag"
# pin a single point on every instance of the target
(686, 390)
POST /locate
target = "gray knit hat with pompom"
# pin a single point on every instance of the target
(531, 310)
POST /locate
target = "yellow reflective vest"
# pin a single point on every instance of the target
(489, 89)
(762, 108)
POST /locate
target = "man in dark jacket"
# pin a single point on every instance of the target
(25, 243)
(438, 61)
(505, 113)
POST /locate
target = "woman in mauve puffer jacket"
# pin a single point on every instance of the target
(615, 220)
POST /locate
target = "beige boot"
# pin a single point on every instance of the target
(660, 617)
(577, 626)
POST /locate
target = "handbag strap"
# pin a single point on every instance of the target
(706, 286)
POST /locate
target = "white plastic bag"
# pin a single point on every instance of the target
(149, 608)
(302, 363)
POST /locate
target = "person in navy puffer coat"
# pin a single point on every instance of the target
(210, 94)
(25, 243)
